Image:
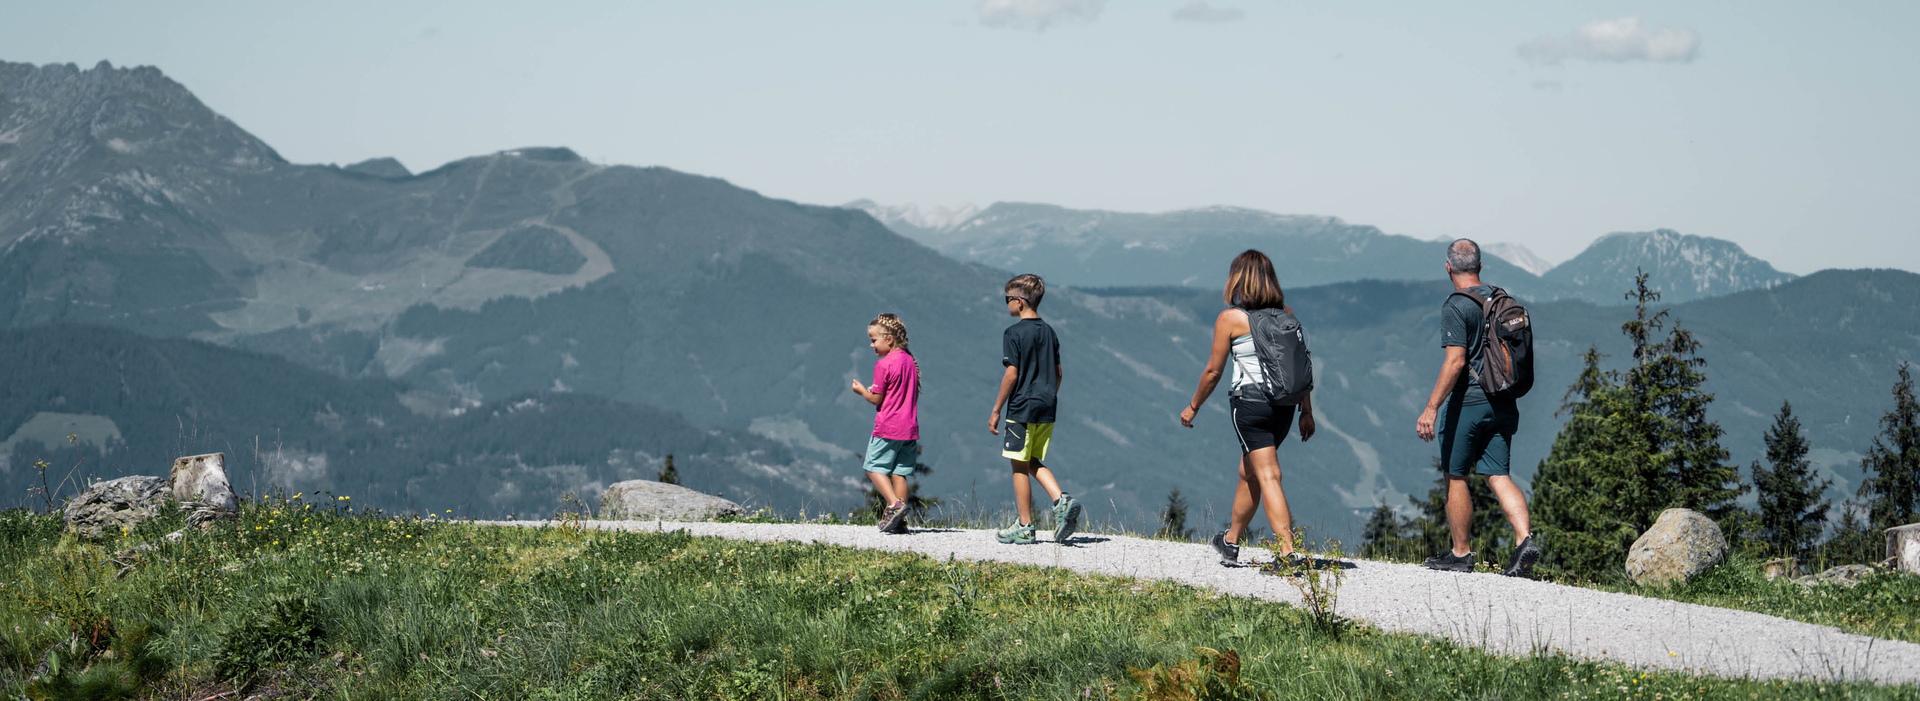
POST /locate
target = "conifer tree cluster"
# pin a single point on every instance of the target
(1892, 465)
(1636, 442)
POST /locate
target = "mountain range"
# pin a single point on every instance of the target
(1100, 248)
(709, 320)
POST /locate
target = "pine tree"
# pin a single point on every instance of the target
(1636, 443)
(1892, 464)
(1173, 519)
(1385, 536)
(1793, 511)
(669, 475)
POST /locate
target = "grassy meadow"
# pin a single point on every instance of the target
(305, 598)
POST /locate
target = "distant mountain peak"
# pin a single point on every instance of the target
(933, 219)
(1681, 266)
(380, 168)
(1520, 256)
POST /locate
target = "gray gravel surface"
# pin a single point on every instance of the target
(1488, 611)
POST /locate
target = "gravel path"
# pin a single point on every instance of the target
(1488, 611)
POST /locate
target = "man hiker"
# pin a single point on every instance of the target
(1475, 430)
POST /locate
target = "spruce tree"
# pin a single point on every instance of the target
(1892, 464)
(1173, 519)
(1793, 510)
(668, 475)
(1666, 380)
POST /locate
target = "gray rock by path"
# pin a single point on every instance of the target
(1500, 614)
(1903, 547)
(647, 500)
(109, 507)
(1680, 544)
(1844, 575)
(202, 479)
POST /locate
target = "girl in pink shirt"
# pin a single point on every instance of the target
(894, 449)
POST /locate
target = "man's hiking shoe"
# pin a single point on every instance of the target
(894, 519)
(1446, 561)
(1066, 517)
(1288, 565)
(1523, 559)
(1229, 552)
(1016, 534)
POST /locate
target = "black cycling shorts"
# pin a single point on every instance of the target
(1260, 424)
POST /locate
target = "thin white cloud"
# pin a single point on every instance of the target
(1200, 11)
(1038, 15)
(1617, 41)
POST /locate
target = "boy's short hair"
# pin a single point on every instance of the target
(1029, 287)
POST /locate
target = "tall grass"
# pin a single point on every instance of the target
(315, 601)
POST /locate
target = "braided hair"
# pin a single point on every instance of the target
(890, 325)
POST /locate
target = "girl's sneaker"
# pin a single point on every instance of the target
(894, 517)
(1016, 534)
(1066, 517)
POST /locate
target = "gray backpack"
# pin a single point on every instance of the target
(1281, 346)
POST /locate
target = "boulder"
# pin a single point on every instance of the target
(1783, 567)
(1681, 544)
(1903, 547)
(646, 500)
(1844, 575)
(109, 507)
(201, 480)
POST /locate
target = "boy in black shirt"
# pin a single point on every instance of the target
(1029, 392)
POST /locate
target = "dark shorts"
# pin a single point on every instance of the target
(1477, 436)
(1260, 424)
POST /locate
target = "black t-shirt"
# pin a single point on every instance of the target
(1030, 347)
(1460, 320)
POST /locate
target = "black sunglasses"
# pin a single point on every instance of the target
(1011, 298)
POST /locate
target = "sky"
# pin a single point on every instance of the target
(1785, 127)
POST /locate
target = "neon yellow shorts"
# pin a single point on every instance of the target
(1026, 442)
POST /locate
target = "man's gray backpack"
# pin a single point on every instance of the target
(1282, 348)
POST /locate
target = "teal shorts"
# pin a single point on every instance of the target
(1477, 437)
(887, 456)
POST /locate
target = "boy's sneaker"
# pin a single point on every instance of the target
(1229, 552)
(1066, 517)
(1524, 558)
(893, 518)
(1446, 561)
(1016, 534)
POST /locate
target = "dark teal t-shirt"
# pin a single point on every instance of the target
(1030, 346)
(1460, 320)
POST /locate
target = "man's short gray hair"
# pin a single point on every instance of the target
(1463, 255)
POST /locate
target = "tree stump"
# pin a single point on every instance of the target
(1903, 547)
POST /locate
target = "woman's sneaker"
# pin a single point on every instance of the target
(1448, 562)
(1016, 534)
(1066, 517)
(1229, 552)
(1524, 558)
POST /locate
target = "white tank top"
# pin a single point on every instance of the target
(1246, 364)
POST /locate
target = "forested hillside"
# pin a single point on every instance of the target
(134, 403)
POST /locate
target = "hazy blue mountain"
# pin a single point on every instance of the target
(1683, 267)
(1100, 248)
(133, 403)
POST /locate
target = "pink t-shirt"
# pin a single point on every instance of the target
(897, 382)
